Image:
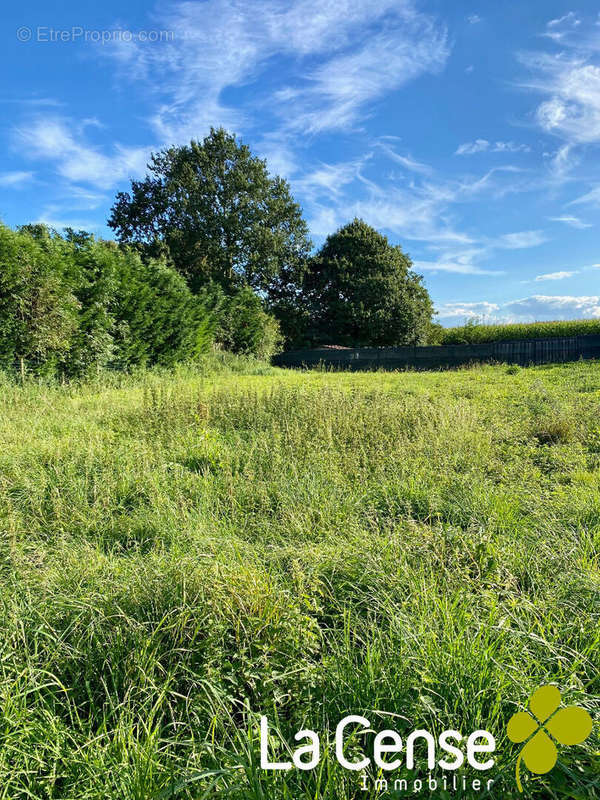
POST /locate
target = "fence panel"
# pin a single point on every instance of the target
(521, 351)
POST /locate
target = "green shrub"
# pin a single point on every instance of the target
(38, 307)
(157, 318)
(243, 325)
(73, 303)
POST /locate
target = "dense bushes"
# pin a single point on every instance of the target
(38, 308)
(73, 303)
(476, 333)
(243, 326)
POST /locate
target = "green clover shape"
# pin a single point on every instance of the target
(571, 725)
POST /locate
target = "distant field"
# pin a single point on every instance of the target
(182, 553)
(475, 333)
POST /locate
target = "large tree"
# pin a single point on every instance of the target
(359, 290)
(219, 214)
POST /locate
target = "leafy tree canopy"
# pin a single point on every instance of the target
(217, 212)
(360, 290)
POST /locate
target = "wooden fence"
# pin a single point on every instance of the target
(522, 351)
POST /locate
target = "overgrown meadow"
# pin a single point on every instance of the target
(183, 552)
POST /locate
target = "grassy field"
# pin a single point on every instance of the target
(183, 553)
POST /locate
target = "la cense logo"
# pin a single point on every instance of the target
(543, 725)
(539, 730)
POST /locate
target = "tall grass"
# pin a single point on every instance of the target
(478, 333)
(184, 552)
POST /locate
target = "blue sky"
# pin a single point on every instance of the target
(467, 132)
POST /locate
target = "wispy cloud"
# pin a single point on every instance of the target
(468, 148)
(340, 59)
(560, 27)
(455, 267)
(418, 207)
(589, 198)
(556, 276)
(328, 179)
(404, 160)
(15, 179)
(59, 140)
(570, 79)
(520, 240)
(415, 206)
(54, 217)
(340, 91)
(484, 146)
(573, 222)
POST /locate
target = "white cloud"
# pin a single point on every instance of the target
(52, 217)
(570, 19)
(78, 197)
(592, 198)
(563, 161)
(527, 309)
(221, 44)
(556, 276)
(455, 267)
(573, 222)
(280, 156)
(473, 19)
(539, 307)
(413, 208)
(328, 179)
(571, 80)
(521, 239)
(455, 312)
(60, 140)
(338, 92)
(325, 220)
(404, 160)
(559, 28)
(510, 147)
(483, 145)
(15, 179)
(468, 148)
(410, 207)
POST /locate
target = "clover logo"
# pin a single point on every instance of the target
(571, 725)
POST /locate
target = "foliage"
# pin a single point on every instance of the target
(157, 318)
(92, 269)
(186, 551)
(474, 332)
(38, 309)
(219, 214)
(360, 290)
(72, 303)
(244, 326)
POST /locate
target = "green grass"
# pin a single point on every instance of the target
(476, 333)
(183, 552)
